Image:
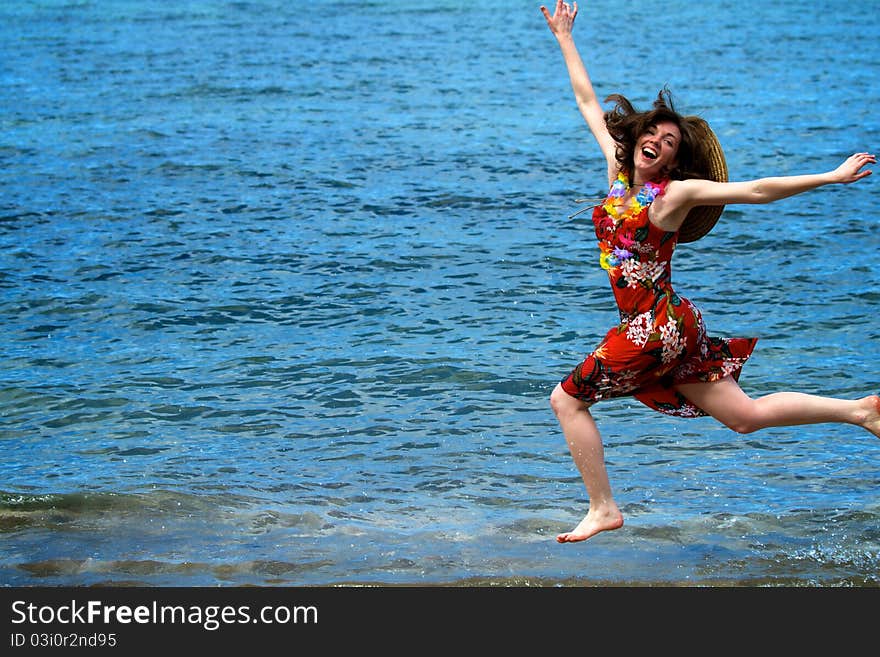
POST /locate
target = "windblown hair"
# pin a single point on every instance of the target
(626, 125)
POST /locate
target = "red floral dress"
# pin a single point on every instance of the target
(661, 340)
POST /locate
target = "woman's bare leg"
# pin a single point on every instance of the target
(725, 401)
(585, 445)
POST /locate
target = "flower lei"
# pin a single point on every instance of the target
(612, 256)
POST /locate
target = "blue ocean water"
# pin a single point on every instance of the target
(286, 286)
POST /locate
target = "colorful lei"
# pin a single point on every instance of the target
(612, 256)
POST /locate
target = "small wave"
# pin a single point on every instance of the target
(20, 509)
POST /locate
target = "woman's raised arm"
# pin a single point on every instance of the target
(561, 23)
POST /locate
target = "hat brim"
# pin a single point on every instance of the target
(702, 219)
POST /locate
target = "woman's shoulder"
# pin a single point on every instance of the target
(684, 190)
(699, 191)
(672, 204)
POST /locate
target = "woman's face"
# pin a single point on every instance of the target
(657, 149)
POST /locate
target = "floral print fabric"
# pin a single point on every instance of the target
(661, 340)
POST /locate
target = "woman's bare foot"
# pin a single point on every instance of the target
(871, 420)
(594, 522)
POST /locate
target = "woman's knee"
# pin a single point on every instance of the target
(742, 425)
(726, 402)
(562, 403)
(744, 419)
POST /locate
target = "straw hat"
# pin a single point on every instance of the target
(701, 219)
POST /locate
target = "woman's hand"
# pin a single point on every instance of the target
(850, 170)
(562, 19)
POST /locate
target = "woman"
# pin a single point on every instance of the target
(663, 170)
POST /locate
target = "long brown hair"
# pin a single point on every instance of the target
(626, 125)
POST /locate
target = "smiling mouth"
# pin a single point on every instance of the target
(649, 153)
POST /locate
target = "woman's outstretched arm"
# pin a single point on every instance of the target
(561, 23)
(682, 195)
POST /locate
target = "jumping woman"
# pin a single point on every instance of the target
(668, 184)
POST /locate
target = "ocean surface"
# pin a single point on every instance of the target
(285, 288)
